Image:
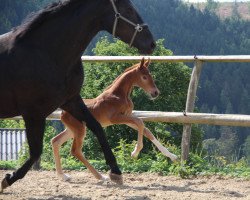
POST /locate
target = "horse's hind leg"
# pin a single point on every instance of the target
(56, 143)
(76, 151)
(162, 149)
(35, 132)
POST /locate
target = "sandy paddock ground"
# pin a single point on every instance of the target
(45, 185)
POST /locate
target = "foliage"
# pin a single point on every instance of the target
(212, 5)
(4, 165)
(12, 124)
(154, 161)
(225, 147)
(246, 149)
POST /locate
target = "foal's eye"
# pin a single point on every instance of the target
(144, 77)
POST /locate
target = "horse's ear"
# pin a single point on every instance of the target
(142, 63)
(147, 63)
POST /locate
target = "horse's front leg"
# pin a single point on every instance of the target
(79, 110)
(134, 123)
(56, 143)
(34, 130)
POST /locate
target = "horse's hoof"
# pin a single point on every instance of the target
(4, 184)
(116, 178)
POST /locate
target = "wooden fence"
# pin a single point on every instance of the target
(11, 141)
(191, 93)
(188, 117)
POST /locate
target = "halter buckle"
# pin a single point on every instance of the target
(138, 28)
(117, 15)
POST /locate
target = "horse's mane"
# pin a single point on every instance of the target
(35, 19)
(118, 77)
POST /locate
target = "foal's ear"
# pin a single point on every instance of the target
(147, 63)
(142, 63)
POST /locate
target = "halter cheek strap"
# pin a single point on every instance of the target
(138, 27)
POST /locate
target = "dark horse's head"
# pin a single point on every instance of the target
(123, 21)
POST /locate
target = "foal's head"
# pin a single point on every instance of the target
(144, 79)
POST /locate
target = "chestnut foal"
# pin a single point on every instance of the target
(113, 106)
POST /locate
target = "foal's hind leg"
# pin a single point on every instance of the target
(35, 131)
(79, 110)
(56, 143)
(76, 151)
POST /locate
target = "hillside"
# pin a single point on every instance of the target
(225, 10)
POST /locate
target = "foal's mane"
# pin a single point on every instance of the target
(35, 19)
(118, 77)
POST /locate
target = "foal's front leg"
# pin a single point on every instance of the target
(147, 133)
(162, 149)
(136, 124)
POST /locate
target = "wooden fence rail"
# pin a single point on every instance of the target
(175, 117)
(182, 118)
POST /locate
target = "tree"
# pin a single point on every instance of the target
(228, 144)
(172, 80)
(211, 5)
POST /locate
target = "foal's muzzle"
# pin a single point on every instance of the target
(154, 94)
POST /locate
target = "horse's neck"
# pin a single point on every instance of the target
(124, 85)
(67, 35)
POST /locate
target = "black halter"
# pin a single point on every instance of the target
(138, 27)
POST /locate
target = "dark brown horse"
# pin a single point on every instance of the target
(41, 68)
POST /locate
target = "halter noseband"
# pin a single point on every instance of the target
(138, 27)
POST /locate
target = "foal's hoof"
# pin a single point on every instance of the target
(4, 184)
(134, 155)
(116, 178)
(64, 177)
(174, 158)
(104, 178)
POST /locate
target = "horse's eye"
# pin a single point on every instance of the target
(144, 77)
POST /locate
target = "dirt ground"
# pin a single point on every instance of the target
(45, 185)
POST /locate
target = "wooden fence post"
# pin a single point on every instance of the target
(191, 95)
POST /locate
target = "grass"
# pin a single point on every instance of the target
(198, 165)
